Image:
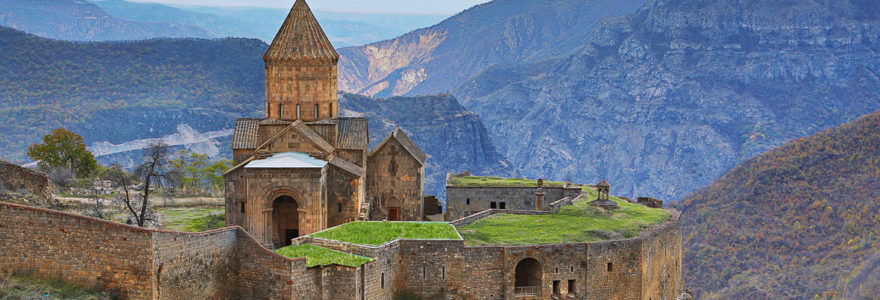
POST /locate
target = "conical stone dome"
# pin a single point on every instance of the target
(301, 40)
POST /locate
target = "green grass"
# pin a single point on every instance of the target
(378, 233)
(192, 219)
(498, 181)
(577, 223)
(320, 256)
(27, 287)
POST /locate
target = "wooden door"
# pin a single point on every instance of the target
(393, 214)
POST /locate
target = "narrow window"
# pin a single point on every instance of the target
(339, 207)
(242, 207)
(503, 205)
(572, 269)
(443, 272)
(280, 111)
(382, 282)
(556, 270)
(317, 113)
(468, 201)
(424, 272)
(492, 205)
(571, 289)
(331, 109)
(297, 112)
(610, 267)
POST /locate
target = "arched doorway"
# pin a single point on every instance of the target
(285, 217)
(528, 277)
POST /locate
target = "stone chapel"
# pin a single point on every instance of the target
(302, 168)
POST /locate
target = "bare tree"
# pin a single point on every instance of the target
(151, 173)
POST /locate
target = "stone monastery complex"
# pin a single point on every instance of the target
(313, 213)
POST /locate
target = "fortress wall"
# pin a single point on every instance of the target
(194, 266)
(624, 280)
(379, 275)
(449, 270)
(93, 253)
(339, 282)
(661, 262)
(262, 274)
(516, 198)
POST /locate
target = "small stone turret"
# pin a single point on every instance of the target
(602, 200)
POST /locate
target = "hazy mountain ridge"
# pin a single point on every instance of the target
(666, 100)
(792, 223)
(76, 20)
(439, 58)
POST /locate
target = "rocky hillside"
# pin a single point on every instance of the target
(78, 20)
(798, 221)
(438, 59)
(453, 137)
(666, 100)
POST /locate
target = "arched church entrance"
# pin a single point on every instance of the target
(528, 277)
(285, 217)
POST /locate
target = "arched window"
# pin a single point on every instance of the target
(297, 112)
(280, 110)
(317, 112)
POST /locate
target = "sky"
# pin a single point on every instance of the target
(446, 7)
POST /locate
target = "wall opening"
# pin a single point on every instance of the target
(493, 205)
(503, 205)
(393, 213)
(468, 201)
(298, 113)
(285, 215)
(610, 267)
(241, 207)
(527, 277)
(555, 287)
(571, 290)
(382, 281)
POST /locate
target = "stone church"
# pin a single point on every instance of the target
(303, 168)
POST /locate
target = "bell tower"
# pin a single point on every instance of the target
(301, 70)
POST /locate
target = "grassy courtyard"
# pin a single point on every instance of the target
(320, 256)
(192, 219)
(498, 181)
(378, 233)
(579, 222)
(23, 286)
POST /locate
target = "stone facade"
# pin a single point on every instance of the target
(303, 169)
(462, 201)
(21, 180)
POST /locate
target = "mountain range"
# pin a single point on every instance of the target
(439, 58)
(798, 222)
(115, 20)
(666, 100)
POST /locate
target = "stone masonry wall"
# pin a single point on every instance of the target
(395, 180)
(481, 198)
(136, 263)
(90, 252)
(18, 179)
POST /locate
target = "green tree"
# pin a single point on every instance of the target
(63, 148)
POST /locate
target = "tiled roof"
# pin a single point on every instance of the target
(301, 39)
(313, 136)
(347, 166)
(352, 133)
(245, 134)
(271, 121)
(406, 143)
(409, 145)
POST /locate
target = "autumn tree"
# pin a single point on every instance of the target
(63, 148)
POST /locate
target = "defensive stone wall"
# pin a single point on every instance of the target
(462, 201)
(136, 263)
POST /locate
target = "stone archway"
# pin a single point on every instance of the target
(285, 220)
(527, 276)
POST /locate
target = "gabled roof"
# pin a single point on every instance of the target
(287, 160)
(404, 142)
(304, 131)
(271, 121)
(347, 166)
(301, 39)
(245, 134)
(352, 134)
